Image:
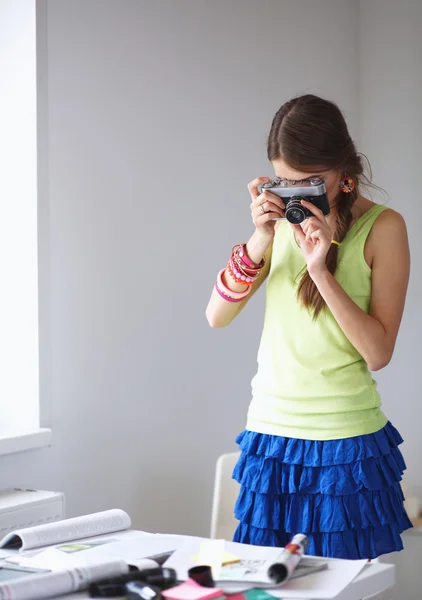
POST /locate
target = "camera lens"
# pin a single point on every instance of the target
(295, 213)
(295, 216)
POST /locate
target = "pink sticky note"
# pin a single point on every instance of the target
(190, 590)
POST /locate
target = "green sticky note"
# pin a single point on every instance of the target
(257, 595)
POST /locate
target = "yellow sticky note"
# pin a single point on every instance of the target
(212, 552)
(229, 558)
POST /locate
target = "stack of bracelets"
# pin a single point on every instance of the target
(242, 270)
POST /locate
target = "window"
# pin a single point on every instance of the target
(19, 365)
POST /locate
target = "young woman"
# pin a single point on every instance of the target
(318, 455)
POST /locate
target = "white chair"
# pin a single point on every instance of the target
(226, 490)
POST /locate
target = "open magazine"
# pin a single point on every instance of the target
(249, 565)
(58, 558)
(314, 577)
(48, 534)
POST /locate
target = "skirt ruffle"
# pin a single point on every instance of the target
(351, 544)
(344, 494)
(264, 475)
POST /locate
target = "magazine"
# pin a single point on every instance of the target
(58, 558)
(314, 577)
(68, 530)
(251, 567)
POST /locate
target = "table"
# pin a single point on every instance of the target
(375, 578)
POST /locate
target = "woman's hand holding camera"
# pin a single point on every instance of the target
(314, 237)
(264, 208)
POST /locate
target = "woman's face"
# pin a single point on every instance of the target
(331, 178)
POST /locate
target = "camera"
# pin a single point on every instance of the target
(313, 190)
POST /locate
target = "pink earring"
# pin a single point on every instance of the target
(347, 185)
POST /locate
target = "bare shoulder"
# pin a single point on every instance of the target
(389, 224)
(388, 243)
(388, 237)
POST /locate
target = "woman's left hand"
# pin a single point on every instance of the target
(314, 239)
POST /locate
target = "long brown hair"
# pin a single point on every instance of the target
(309, 132)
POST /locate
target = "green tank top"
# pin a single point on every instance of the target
(311, 382)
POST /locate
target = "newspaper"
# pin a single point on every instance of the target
(49, 585)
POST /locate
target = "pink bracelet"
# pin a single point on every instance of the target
(222, 289)
(245, 258)
(253, 273)
(227, 298)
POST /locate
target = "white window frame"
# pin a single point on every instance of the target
(20, 410)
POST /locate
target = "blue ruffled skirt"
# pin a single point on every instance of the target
(345, 495)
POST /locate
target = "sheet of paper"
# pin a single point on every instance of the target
(211, 553)
(322, 585)
(227, 558)
(50, 559)
(5, 553)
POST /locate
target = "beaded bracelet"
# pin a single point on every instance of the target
(239, 266)
(238, 276)
(242, 270)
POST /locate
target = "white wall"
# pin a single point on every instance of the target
(391, 134)
(153, 118)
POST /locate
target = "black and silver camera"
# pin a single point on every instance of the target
(313, 190)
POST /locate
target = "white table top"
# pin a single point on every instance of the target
(375, 577)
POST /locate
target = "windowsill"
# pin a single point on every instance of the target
(11, 442)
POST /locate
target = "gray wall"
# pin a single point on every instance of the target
(391, 136)
(153, 118)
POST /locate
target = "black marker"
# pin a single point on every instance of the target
(109, 588)
(144, 591)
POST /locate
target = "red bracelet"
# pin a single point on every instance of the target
(240, 251)
(245, 258)
(242, 268)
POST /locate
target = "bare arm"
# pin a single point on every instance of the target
(220, 313)
(374, 335)
(264, 208)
